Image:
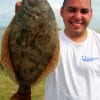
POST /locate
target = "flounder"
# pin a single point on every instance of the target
(30, 46)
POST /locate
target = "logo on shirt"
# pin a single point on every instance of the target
(88, 59)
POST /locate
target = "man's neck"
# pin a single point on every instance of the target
(77, 38)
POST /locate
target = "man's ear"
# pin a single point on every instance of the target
(61, 11)
(91, 13)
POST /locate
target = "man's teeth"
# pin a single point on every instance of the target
(76, 22)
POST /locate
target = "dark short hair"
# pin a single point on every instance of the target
(66, 1)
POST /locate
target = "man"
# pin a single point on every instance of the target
(77, 75)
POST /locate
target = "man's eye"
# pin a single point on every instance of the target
(84, 11)
(71, 10)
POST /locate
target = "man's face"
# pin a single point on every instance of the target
(76, 15)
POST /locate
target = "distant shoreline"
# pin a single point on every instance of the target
(3, 27)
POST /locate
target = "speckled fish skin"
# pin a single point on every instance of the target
(30, 46)
(32, 40)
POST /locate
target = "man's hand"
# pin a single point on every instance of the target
(17, 6)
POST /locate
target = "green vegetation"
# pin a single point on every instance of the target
(8, 87)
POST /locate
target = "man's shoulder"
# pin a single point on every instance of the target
(94, 33)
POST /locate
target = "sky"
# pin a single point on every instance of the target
(7, 11)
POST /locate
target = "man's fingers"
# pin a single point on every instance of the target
(17, 7)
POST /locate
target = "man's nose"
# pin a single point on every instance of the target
(78, 15)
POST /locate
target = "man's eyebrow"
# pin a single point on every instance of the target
(72, 8)
(76, 8)
(86, 8)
